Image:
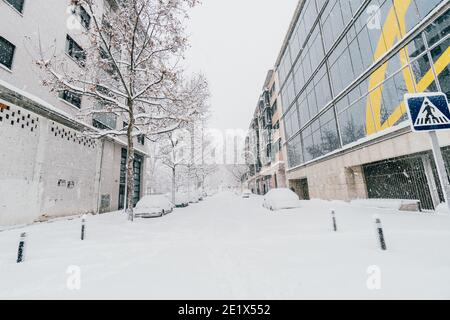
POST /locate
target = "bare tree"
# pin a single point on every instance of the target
(178, 148)
(172, 156)
(238, 171)
(129, 67)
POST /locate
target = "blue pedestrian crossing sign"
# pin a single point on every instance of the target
(428, 111)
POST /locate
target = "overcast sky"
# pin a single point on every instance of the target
(234, 43)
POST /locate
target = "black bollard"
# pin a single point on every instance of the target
(379, 228)
(21, 251)
(83, 227)
(333, 215)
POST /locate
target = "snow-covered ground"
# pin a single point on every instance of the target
(227, 247)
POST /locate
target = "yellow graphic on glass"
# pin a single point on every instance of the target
(389, 35)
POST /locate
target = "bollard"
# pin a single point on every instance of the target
(333, 215)
(21, 251)
(83, 226)
(130, 215)
(379, 228)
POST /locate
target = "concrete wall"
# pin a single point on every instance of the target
(19, 178)
(341, 177)
(50, 170)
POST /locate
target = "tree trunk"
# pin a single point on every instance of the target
(130, 165)
(173, 184)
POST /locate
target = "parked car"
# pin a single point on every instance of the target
(282, 198)
(246, 193)
(153, 206)
(181, 199)
(194, 197)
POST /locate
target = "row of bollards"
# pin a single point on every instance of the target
(378, 225)
(23, 236)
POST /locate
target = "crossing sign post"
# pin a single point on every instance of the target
(430, 112)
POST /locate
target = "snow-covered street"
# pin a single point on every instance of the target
(227, 247)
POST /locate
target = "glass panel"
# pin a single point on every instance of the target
(6, 52)
(439, 29)
(352, 122)
(426, 6)
(438, 53)
(321, 136)
(303, 110)
(322, 88)
(17, 4)
(332, 23)
(408, 15)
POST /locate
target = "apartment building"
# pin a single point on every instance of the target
(263, 145)
(343, 70)
(48, 167)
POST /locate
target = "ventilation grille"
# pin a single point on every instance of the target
(59, 131)
(16, 117)
(12, 116)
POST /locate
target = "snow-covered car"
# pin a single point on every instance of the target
(181, 200)
(153, 206)
(246, 193)
(282, 198)
(194, 197)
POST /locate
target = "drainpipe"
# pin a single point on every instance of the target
(100, 177)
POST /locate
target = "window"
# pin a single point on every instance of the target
(276, 126)
(439, 29)
(321, 137)
(444, 77)
(6, 52)
(332, 22)
(17, 4)
(426, 7)
(272, 91)
(85, 18)
(97, 124)
(107, 119)
(141, 139)
(352, 120)
(294, 152)
(274, 107)
(71, 97)
(74, 50)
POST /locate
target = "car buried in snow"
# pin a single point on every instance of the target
(181, 200)
(153, 206)
(281, 198)
(246, 193)
(194, 197)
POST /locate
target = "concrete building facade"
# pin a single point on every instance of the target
(48, 167)
(343, 70)
(263, 145)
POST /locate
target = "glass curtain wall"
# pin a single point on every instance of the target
(329, 97)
